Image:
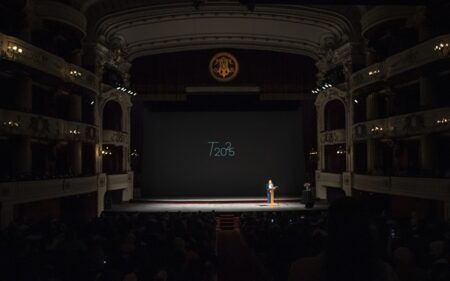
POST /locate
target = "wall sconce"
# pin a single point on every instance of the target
(74, 132)
(376, 129)
(13, 51)
(11, 124)
(443, 121)
(340, 151)
(74, 73)
(134, 154)
(106, 151)
(373, 72)
(442, 48)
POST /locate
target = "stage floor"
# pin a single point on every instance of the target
(215, 204)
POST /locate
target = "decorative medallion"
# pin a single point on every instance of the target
(223, 67)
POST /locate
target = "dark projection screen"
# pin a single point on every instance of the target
(222, 153)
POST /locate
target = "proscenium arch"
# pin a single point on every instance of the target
(156, 29)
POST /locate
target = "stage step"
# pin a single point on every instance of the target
(227, 222)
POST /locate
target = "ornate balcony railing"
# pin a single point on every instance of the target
(119, 181)
(409, 59)
(16, 50)
(429, 188)
(27, 124)
(27, 191)
(430, 121)
(329, 179)
(333, 137)
(115, 137)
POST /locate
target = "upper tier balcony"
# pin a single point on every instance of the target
(418, 123)
(18, 51)
(410, 59)
(32, 125)
(429, 188)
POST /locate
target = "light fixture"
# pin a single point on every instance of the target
(74, 73)
(373, 72)
(442, 121)
(355, 100)
(106, 151)
(13, 51)
(11, 124)
(92, 102)
(74, 132)
(443, 48)
(126, 91)
(313, 152)
(376, 129)
(134, 153)
(340, 151)
(321, 88)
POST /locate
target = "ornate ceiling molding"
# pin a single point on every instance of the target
(166, 28)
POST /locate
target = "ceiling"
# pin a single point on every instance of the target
(148, 27)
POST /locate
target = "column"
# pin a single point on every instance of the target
(427, 96)
(427, 158)
(371, 106)
(24, 155)
(125, 159)
(75, 150)
(24, 96)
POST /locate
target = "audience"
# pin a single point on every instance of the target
(344, 243)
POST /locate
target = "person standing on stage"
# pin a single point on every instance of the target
(268, 188)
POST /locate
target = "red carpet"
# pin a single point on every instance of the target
(236, 261)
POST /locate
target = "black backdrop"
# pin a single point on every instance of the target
(264, 141)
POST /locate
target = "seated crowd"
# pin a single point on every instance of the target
(163, 246)
(346, 243)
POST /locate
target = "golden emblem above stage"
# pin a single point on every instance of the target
(223, 67)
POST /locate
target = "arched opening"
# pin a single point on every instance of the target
(334, 114)
(112, 116)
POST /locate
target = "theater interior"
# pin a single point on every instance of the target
(206, 140)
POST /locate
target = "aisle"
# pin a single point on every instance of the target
(236, 262)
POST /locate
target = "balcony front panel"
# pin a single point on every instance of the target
(32, 125)
(115, 138)
(19, 51)
(333, 137)
(418, 123)
(29, 191)
(410, 59)
(119, 181)
(428, 188)
(329, 179)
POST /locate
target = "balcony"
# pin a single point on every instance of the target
(428, 188)
(32, 125)
(418, 123)
(329, 179)
(333, 137)
(404, 61)
(15, 50)
(28, 191)
(119, 181)
(115, 138)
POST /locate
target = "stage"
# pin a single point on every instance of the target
(155, 205)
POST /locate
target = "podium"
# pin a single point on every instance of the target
(272, 196)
